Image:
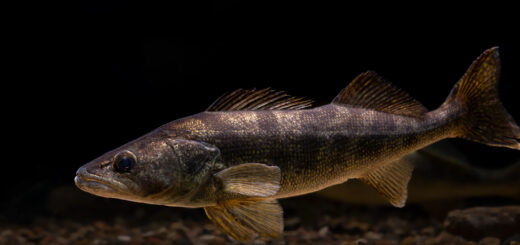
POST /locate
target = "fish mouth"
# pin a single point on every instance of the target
(97, 185)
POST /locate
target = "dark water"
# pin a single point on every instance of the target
(95, 75)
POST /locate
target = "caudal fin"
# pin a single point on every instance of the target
(485, 120)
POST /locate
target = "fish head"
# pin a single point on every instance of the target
(153, 170)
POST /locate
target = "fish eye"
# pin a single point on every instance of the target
(124, 162)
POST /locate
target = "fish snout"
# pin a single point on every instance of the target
(81, 174)
(82, 177)
(81, 171)
(98, 182)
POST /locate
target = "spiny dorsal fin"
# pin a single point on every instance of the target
(370, 91)
(391, 180)
(265, 99)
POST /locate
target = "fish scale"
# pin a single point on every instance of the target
(309, 144)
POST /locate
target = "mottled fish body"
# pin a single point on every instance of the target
(252, 147)
(314, 148)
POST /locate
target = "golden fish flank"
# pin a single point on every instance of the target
(252, 147)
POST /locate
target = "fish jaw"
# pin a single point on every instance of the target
(99, 186)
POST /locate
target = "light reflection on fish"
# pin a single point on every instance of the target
(253, 147)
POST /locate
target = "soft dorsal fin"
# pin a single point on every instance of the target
(265, 99)
(368, 90)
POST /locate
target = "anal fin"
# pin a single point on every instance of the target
(245, 219)
(391, 180)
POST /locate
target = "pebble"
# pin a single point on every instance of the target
(124, 238)
(323, 231)
(357, 226)
(153, 240)
(207, 237)
(360, 242)
(398, 226)
(373, 236)
(489, 241)
(100, 225)
(479, 222)
(428, 231)
(411, 240)
(447, 238)
(384, 242)
(259, 242)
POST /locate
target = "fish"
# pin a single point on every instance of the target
(439, 168)
(253, 147)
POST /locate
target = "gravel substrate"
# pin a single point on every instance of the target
(308, 220)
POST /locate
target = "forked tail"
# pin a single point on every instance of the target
(484, 119)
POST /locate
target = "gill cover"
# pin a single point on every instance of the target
(196, 160)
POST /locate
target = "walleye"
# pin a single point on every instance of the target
(251, 147)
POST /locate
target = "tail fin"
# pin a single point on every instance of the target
(485, 120)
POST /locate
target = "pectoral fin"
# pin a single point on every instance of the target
(245, 219)
(250, 179)
(391, 180)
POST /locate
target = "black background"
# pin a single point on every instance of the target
(90, 76)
